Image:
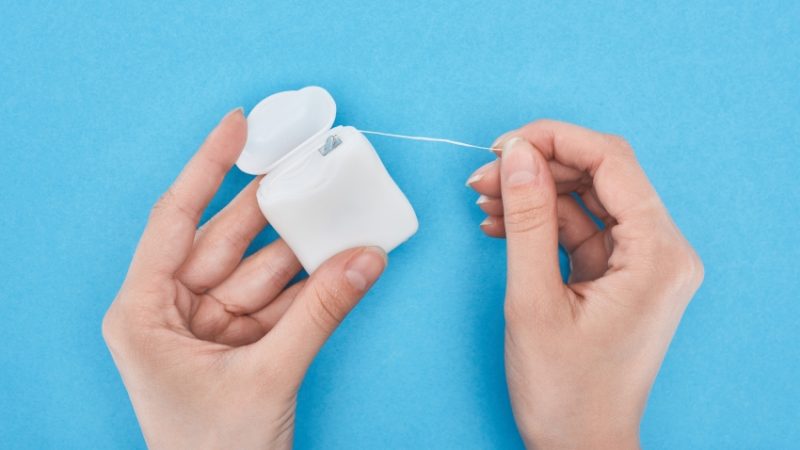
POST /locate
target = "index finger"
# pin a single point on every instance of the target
(170, 231)
(621, 185)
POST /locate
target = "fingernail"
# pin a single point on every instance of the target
(481, 200)
(487, 221)
(497, 145)
(239, 110)
(480, 173)
(364, 268)
(608, 242)
(519, 166)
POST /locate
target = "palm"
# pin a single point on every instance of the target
(204, 315)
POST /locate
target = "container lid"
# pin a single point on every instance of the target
(281, 122)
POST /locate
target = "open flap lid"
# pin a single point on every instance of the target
(281, 122)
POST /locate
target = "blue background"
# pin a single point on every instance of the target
(103, 104)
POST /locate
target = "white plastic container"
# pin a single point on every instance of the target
(325, 190)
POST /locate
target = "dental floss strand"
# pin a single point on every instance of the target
(427, 139)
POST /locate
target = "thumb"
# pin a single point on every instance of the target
(327, 296)
(531, 223)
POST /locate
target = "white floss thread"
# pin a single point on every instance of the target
(427, 139)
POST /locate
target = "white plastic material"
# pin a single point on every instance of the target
(321, 200)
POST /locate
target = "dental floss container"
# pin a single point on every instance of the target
(325, 189)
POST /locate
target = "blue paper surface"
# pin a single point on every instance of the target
(103, 102)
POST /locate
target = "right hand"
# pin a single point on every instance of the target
(581, 358)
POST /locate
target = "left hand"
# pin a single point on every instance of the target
(213, 350)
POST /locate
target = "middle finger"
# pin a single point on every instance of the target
(221, 242)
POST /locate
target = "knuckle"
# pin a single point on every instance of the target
(113, 328)
(107, 327)
(170, 201)
(543, 123)
(164, 202)
(236, 239)
(694, 271)
(621, 146)
(528, 212)
(681, 265)
(700, 269)
(328, 306)
(277, 272)
(618, 141)
(125, 327)
(542, 128)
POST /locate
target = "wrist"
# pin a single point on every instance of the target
(573, 431)
(561, 423)
(605, 439)
(216, 438)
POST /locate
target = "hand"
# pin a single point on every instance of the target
(213, 350)
(581, 358)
